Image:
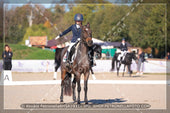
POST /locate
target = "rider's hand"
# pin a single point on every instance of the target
(57, 37)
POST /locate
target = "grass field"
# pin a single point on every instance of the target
(23, 52)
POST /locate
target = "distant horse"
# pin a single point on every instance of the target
(94, 49)
(81, 65)
(58, 52)
(127, 62)
(98, 53)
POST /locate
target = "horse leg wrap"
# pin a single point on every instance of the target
(118, 65)
(93, 76)
(55, 75)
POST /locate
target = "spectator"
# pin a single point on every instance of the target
(107, 55)
(168, 56)
(7, 58)
(141, 57)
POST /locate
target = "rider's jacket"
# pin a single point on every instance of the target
(76, 33)
(123, 47)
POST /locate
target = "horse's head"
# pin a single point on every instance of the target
(97, 48)
(134, 55)
(87, 35)
(131, 56)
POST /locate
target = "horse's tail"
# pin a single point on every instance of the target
(57, 59)
(113, 62)
(67, 85)
(58, 54)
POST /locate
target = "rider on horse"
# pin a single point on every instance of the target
(124, 50)
(76, 30)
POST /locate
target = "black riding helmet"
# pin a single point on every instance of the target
(123, 39)
(78, 17)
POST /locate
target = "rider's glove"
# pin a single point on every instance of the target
(57, 37)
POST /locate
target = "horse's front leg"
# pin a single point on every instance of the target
(124, 70)
(118, 67)
(63, 73)
(62, 88)
(73, 87)
(129, 69)
(86, 76)
(78, 88)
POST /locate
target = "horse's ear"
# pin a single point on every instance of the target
(88, 25)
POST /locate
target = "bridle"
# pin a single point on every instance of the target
(84, 40)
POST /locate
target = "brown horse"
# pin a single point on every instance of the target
(81, 65)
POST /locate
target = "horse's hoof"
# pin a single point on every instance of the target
(74, 99)
(86, 102)
(78, 102)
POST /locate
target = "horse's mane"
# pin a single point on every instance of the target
(94, 44)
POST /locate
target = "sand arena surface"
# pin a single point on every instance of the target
(153, 94)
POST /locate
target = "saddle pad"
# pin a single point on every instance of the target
(65, 57)
(73, 56)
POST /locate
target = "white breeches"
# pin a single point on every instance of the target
(70, 46)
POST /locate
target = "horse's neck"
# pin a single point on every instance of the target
(130, 56)
(83, 49)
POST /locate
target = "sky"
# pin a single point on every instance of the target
(45, 5)
(48, 5)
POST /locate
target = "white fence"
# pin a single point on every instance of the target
(102, 66)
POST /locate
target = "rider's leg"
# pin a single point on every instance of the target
(91, 56)
(69, 52)
(123, 55)
(120, 56)
(94, 61)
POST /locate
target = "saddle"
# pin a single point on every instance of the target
(122, 57)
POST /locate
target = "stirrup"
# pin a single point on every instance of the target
(67, 63)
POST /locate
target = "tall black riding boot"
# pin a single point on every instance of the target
(68, 59)
(121, 60)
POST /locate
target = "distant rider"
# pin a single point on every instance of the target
(124, 50)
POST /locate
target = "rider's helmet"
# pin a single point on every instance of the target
(78, 17)
(123, 39)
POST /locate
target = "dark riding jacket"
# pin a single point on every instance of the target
(123, 47)
(76, 32)
(7, 56)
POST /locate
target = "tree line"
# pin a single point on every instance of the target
(142, 26)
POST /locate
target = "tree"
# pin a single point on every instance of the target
(146, 27)
(47, 24)
(155, 29)
(15, 23)
(35, 30)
